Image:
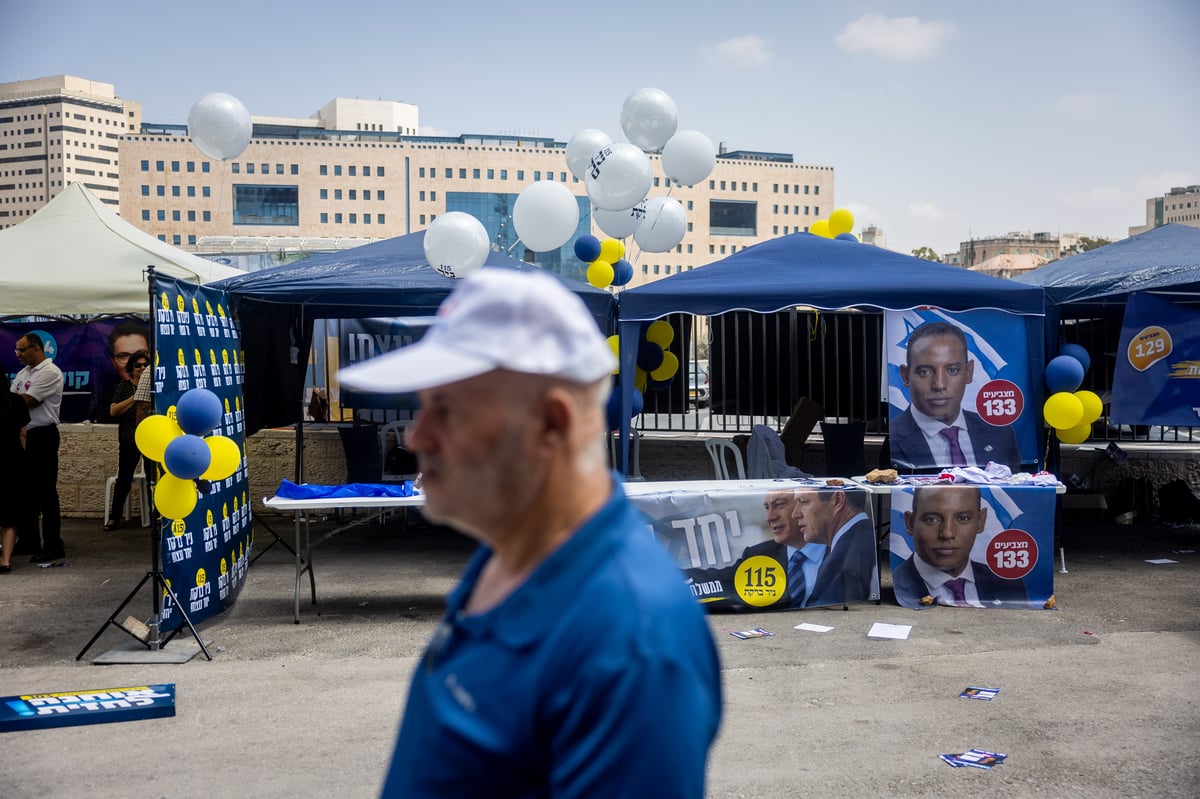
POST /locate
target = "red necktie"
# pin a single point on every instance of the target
(956, 454)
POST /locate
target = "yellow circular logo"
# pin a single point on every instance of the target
(760, 581)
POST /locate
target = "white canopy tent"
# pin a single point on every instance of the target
(75, 256)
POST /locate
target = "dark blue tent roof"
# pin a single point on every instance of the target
(387, 278)
(803, 269)
(1165, 260)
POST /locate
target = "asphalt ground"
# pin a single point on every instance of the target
(1098, 698)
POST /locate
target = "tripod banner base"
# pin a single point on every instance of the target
(178, 650)
(94, 706)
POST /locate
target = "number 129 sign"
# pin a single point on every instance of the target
(1000, 402)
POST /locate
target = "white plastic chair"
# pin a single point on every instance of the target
(392, 433)
(139, 482)
(635, 455)
(720, 449)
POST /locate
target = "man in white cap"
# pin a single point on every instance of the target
(572, 660)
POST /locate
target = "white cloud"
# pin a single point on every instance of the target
(895, 39)
(926, 212)
(741, 52)
(1082, 103)
(1154, 185)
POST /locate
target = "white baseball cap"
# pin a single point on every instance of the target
(496, 319)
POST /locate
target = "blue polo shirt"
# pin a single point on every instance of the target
(598, 677)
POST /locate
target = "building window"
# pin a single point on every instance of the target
(379, 172)
(158, 166)
(324, 170)
(279, 169)
(250, 169)
(520, 174)
(421, 172)
(380, 219)
(537, 175)
(204, 167)
(366, 194)
(337, 219)
(491, 174)
(324, 194)
(175, 216)
(353, 194)
(162, 216)
(145, 166)
(191, 216)
(462, 173)
(206, 216)
(191, 241)
(145, 214)
(191, 191)
(174, 191)
(366, 171)
(353, 171)
(324, 218)
(379, 194)
(161, 191)
(176, 240)
(449, 172)
(422, 219)
(295, 169)
(421, 196)
(266, 205)
(235, 168)
(475, 174)
(366, 219)
(816, 189)
(433, 196)
(504, 174)
(145, 191)
(354, 219)
(733, 218)
(337, 194)
(205, 191)
(337, 170)
(174, 166)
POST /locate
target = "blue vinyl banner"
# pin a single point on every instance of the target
(91, 355)
(94, 706)
(972, 546)
(363, 339)
(986, 397)
(1157, 379)
(197, 345)
(738, 546)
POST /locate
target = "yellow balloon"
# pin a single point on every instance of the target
(614, 344)
(226, 457)
(612, 250)
(175, 498)
(820, 228)
(153, 434)
(600, 274)
(1075, 435)
(1062, 410)
(840, 221)
(661, 333)
(640, 380)
(1093, 406)
(670, 366)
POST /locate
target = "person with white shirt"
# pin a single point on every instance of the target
(40, 385)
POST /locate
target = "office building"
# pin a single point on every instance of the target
(60, 130)
(1181, 206)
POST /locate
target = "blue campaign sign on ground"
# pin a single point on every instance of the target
(1157, 379)
(75, 708)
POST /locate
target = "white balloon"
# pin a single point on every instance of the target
(663, 227)
(456, 244)
(545, 215)
(688, 157)
(649, 118)
(582, 146)
(619, 224)
(618, 177)
(220, 126)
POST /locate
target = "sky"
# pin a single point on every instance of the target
(942, 120)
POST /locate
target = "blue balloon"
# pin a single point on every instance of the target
(847, 237)
(624, 271)
(1078, 353)
(187, 456)
(1064, 373)
(649, 355)
(660, 385)
(639, 402)
(198, 412)
(587, 248)
(612, 410)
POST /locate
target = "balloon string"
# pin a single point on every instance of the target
(514, 244)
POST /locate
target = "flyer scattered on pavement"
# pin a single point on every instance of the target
(69, 709)
(882, 630)
(975, 692)
(1161, 561)
(975, 758)
(812, 628)
(757, 632)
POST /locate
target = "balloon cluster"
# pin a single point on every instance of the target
(837, 226)
(1069, 410)
(655, 371)
(192, 458)
(220, 126)
(618, 174)
(606, 261)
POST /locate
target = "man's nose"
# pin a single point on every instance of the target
(415, 435)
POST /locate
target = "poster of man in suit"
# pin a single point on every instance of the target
(959, 390)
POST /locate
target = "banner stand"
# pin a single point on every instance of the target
(148, 635)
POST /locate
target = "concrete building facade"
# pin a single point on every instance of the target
(1181, 206)
(59, 130)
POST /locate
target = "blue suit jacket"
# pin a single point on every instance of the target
(910, 588)
(989, 443)
(850, 572)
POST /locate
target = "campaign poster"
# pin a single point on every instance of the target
(974, 546)
(362, 339)
(960, 389)
(91, 356)
(791, 544)
(205, 555)
(1157, 379)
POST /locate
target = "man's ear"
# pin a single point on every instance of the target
(982, 519)
(904, 374)
(908, 521)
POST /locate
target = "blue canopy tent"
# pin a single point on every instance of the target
(1164, 260)
(802, 269)
(277, 308)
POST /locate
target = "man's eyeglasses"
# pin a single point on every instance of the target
(122, 357)
(139, 365)
(19, 350)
